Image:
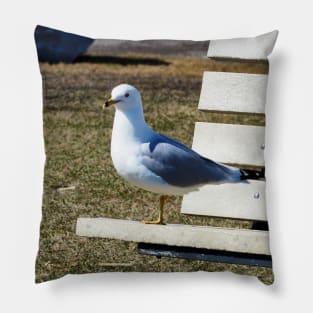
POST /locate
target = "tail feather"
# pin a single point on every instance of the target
(252, 174)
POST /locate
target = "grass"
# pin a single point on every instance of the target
(77, 141)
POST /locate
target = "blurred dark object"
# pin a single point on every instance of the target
(55, 46)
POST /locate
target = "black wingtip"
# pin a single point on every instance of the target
(252, 174)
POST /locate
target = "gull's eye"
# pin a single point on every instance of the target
(126, 95)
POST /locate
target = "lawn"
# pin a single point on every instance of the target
(77, 136)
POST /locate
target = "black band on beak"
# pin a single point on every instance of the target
(109, 102)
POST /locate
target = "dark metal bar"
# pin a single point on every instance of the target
(205, 255)
(260, 225)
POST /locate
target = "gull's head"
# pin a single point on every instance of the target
(125, 97)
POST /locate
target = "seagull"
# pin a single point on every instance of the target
(155, 162)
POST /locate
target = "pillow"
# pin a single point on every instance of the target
(154, 155)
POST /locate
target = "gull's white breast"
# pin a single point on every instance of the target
(127, 152)
(127, 160)
(127, 148)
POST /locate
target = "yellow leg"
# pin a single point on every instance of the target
(160, 219)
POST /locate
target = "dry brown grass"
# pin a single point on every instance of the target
(77, 141)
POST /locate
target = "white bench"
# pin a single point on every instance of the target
(241, 145)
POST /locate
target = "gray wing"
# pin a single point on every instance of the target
(180, 166)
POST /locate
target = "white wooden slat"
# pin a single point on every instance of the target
(244, 48)
(237, 240)
(233, 92)
(243, 201)
(229, 143)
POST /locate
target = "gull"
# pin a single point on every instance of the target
(155, 162)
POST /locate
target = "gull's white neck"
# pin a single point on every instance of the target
(130, 125)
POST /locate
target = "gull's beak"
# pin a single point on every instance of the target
(108, 103)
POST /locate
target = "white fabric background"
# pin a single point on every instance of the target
(289, 155)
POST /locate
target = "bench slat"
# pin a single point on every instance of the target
(244, 48)
(233, 92)
(228, 143)
(229, 239)
(243, 201)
